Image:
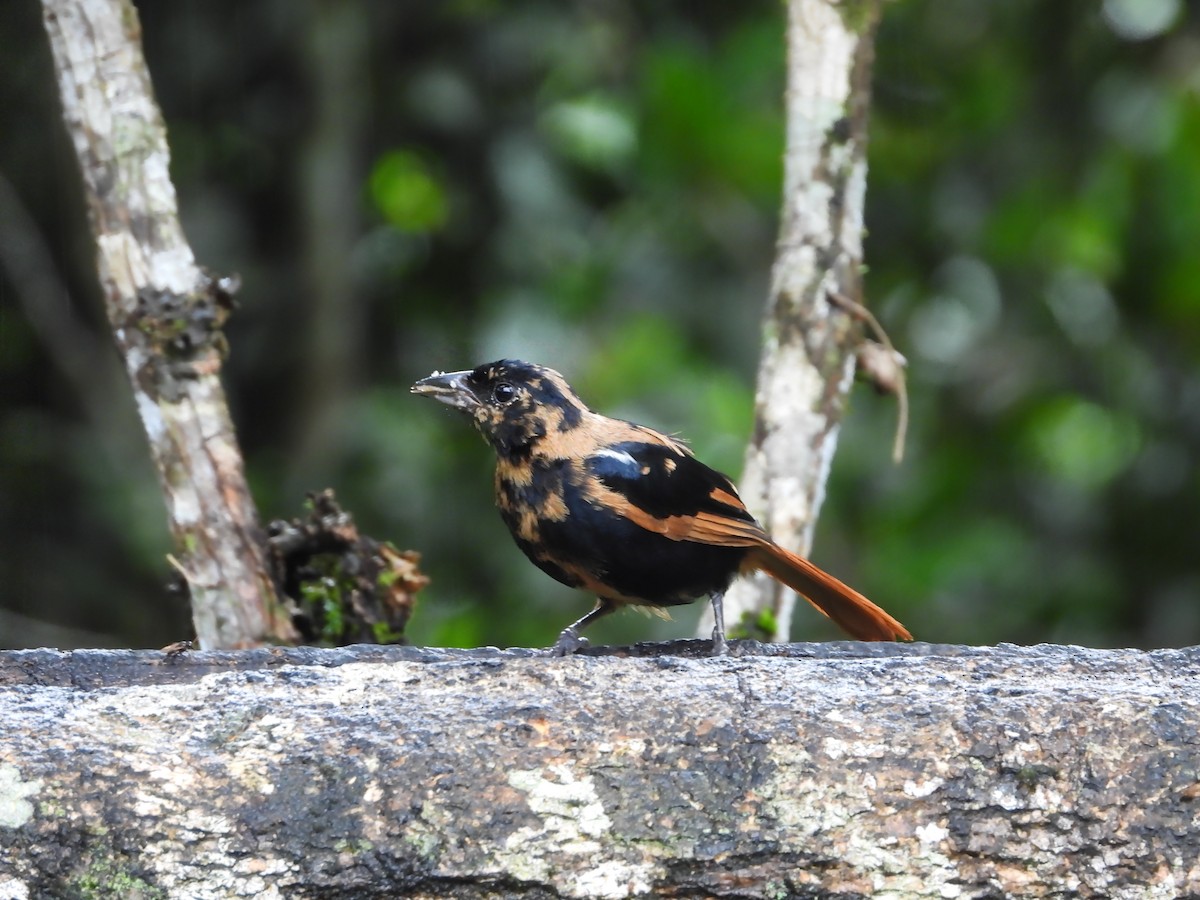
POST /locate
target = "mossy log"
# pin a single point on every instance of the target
(804, 770)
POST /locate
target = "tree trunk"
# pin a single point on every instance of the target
(846, 770)
(337, 55)
(810, 343)
(166, 316)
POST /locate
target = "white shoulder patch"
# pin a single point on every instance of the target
(622, 458)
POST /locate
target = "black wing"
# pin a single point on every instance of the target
(671, 492)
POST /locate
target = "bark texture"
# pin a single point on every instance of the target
(810, 343)
(844, 770)
(166, 317)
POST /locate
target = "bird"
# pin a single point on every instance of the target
(623, 511)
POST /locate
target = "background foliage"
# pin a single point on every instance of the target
(595, 186)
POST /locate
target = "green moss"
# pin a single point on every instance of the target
(1030, 776)
(353, 847)
(106, 878)
(760, 627)
(327, 595)
(385, 634)
(423, 839)
(387, 577)
(858, 15)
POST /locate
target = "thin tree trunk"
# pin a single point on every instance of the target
(337, 34)
(166, 317)
(810, 343)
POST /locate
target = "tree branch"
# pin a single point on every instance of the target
(801, 770)
(166, 316)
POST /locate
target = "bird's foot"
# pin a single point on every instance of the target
(568, 642)
(719, 647)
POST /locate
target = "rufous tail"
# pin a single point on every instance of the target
(854, 613)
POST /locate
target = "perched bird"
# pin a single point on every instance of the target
(623, 511)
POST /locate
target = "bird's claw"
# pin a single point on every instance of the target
(720, 647)
(568, 642)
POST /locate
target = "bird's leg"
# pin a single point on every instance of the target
(570, 640)
(719, 647)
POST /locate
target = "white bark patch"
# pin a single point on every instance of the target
(15, 808)
(568, 806)
(924, 789)
(821, 51)
(573, 822)
(151, 416)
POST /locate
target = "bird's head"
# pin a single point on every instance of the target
(513, 403)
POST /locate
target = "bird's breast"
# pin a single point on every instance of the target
(530, 492)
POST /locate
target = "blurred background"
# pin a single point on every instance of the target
(595, 186)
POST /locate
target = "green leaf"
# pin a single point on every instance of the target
(407, 193)
(597, 130)
(1082, 443)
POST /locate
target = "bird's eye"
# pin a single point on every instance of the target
(504, 392)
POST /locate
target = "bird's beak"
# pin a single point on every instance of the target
(448, 387)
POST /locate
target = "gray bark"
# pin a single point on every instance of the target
(810, 342)
(166, 317)
(845, 770)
